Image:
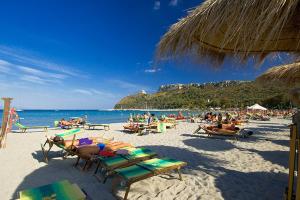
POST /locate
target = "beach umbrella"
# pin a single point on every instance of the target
(242, 29)
(256, 107)
(288, 75)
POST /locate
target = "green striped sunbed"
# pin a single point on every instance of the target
(24, 128)
(107, 165)
(144, 170)
(50, 142)
(63, 190)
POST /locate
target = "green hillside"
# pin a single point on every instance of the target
(223, 94)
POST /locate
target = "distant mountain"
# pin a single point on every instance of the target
(225, 94)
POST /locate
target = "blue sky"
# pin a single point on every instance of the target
(89, 54)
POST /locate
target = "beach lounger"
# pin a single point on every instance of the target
(25, 128)
(69, 150)
(222, 132)
(91, 153)
(144, 170)
(92, 126)
(57, 190)
(108, 165)
(134, 128)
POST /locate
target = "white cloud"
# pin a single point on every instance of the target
(93, 92)
(40, 73)
(33, 79)
(173, 3)
(26, 59)
(82, 91)
(156, 5)
(29, 74)
(152, 70)
(5, 67)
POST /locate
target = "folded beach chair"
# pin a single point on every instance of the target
(24, 128)
(69, 150)
(108, 165)
(92, 126)
(144, 170)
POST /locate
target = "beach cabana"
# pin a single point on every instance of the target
(256, 107)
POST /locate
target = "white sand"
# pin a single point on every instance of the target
(252, 168)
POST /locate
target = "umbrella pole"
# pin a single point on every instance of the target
(294, 156)
(5, 116)
(296, 122)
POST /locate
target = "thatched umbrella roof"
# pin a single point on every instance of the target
(285, 74)
(243, 28)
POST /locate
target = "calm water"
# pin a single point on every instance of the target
(47, 117)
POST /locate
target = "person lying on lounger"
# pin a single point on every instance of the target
(65, 123)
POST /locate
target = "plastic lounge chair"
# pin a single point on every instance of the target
(57, 190)
(107, 165)
(69, 150)
(144, 170)
(24, 128)
(92, 126)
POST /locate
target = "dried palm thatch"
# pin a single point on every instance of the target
(285, 74)
(243, 28)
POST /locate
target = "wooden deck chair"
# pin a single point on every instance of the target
(144, 170)
(108, 165)
(25, 128)
(69, 150)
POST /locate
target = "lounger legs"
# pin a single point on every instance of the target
(196, 131)
(126, 193)
(77, 161)
(179, 174)
(97, 168)
(46, 152)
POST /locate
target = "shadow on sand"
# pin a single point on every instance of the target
(232, 184)
(209, 144)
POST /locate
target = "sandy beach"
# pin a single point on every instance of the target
(218, 168)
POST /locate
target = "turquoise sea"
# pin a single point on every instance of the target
(47, 117)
